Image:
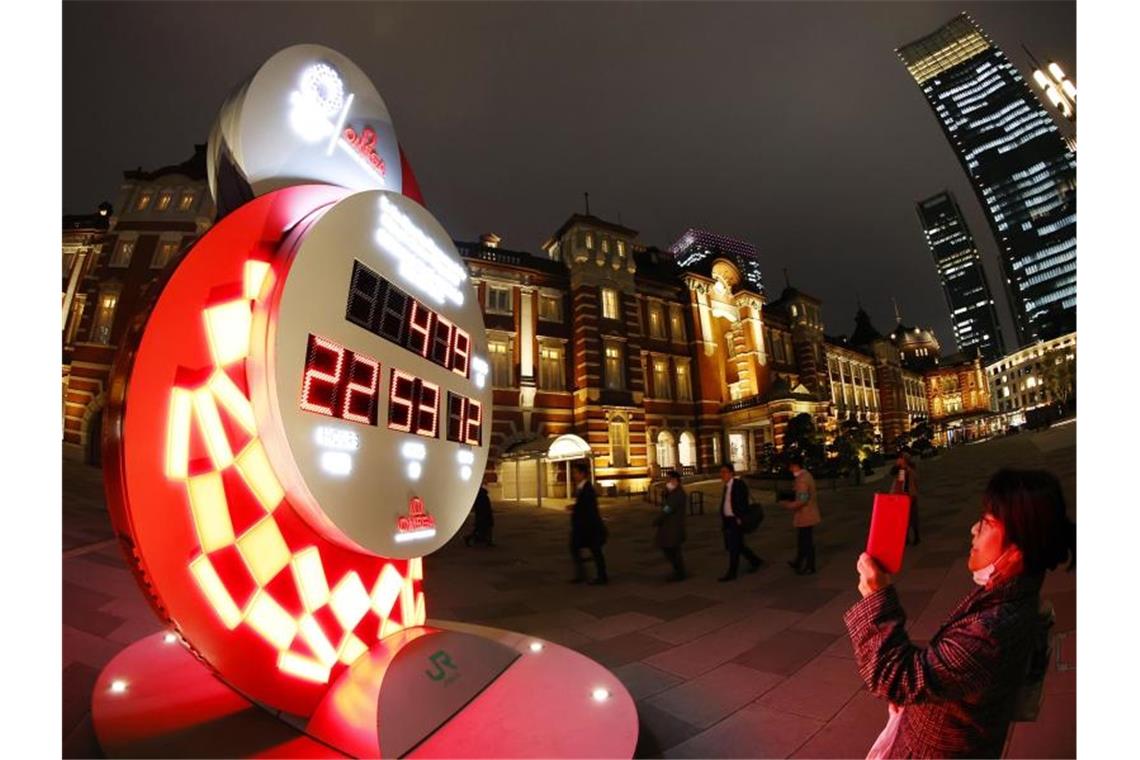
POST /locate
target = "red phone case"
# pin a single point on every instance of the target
(887, 537)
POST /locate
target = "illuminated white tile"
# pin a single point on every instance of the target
(351, 649)
(303, 667)
(227, 329)
(349, 601)
(415, 469)
(264, 550)
(210, 511)
(215, 591)
(210, 423)
(314, 636)
(386, 591)
(178, 433)
(309, 574)
(233, 401)
(253, 464)
(254, 278)
(271, 621)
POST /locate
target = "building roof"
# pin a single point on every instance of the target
(193, 167)
(515, 259)
(591, 221)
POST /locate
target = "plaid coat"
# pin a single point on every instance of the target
(958, 691)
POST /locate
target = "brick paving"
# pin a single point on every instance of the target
(756, 668)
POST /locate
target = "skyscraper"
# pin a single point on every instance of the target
(972, 312)
(1019, 165)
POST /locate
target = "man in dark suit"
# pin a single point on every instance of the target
(733, 507)
(587, 531)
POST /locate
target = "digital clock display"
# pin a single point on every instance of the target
(371, 362)
(385, 310)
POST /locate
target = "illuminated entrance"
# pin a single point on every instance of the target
(540, 468)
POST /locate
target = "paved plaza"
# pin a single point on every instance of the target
(756, 668)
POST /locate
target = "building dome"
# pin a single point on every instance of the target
(910, 339)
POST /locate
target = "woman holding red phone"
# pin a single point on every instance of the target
(956, 696)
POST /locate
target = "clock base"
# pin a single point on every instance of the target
(446, 689)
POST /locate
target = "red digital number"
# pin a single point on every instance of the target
(318, 391)
(420, 321)
(401, 401)
(367, 389)
(441, 344)
(461, 350)
(427, 418)
(473, 434)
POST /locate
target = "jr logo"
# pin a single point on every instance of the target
(440, 660)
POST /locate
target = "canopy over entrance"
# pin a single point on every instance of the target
(530, 469)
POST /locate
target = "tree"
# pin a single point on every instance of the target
(1059, 375)
(801, 436)
(854, 442)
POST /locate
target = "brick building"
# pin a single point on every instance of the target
(645, 359)
(158, 216)
(639, 358)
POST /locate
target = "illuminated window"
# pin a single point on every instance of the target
(656, 321)
(165, 252)
(609, 303)
(104, 317)
(677, 325)
(164, 201)
(615, 377)
(605, 245)
(501, 363)
(77, 305)
(186, 202)
(589, 241)
(123, 252)
(621, 248)
(619, 442)
(684, 386)
(499, 300)
(550, 308)
(551, 369)
(145, 197)
(661, 387)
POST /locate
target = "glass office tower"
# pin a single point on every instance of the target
(1018, 163)
(972, 312)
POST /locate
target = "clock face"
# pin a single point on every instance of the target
(370, 377)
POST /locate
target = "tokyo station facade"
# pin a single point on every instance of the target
(639, 358)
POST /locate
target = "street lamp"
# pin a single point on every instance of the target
(1060, 90)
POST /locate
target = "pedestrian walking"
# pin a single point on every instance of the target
(587, 531)
(484, 526)
(671, 525)
(905, 482)
(734, 506)
(956, 696)
(805, 515)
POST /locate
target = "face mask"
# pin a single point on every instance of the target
(671, 486)
(983, 575)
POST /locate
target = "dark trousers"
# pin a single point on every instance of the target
(673, 554)
(580, 564)
(734, 543)
(912, 525)
(805, 549)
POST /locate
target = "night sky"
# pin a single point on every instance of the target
(794, 127)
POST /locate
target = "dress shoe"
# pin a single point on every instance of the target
(725, 578)
(794, 564)
(755, 566)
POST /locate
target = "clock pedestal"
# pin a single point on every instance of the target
(441, 690)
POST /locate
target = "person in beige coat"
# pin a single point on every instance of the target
(805, 515)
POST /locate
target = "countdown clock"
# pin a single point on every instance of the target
(369, 375)
(301, 416)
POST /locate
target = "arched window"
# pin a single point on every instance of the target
(666, 446)
(687, 450)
